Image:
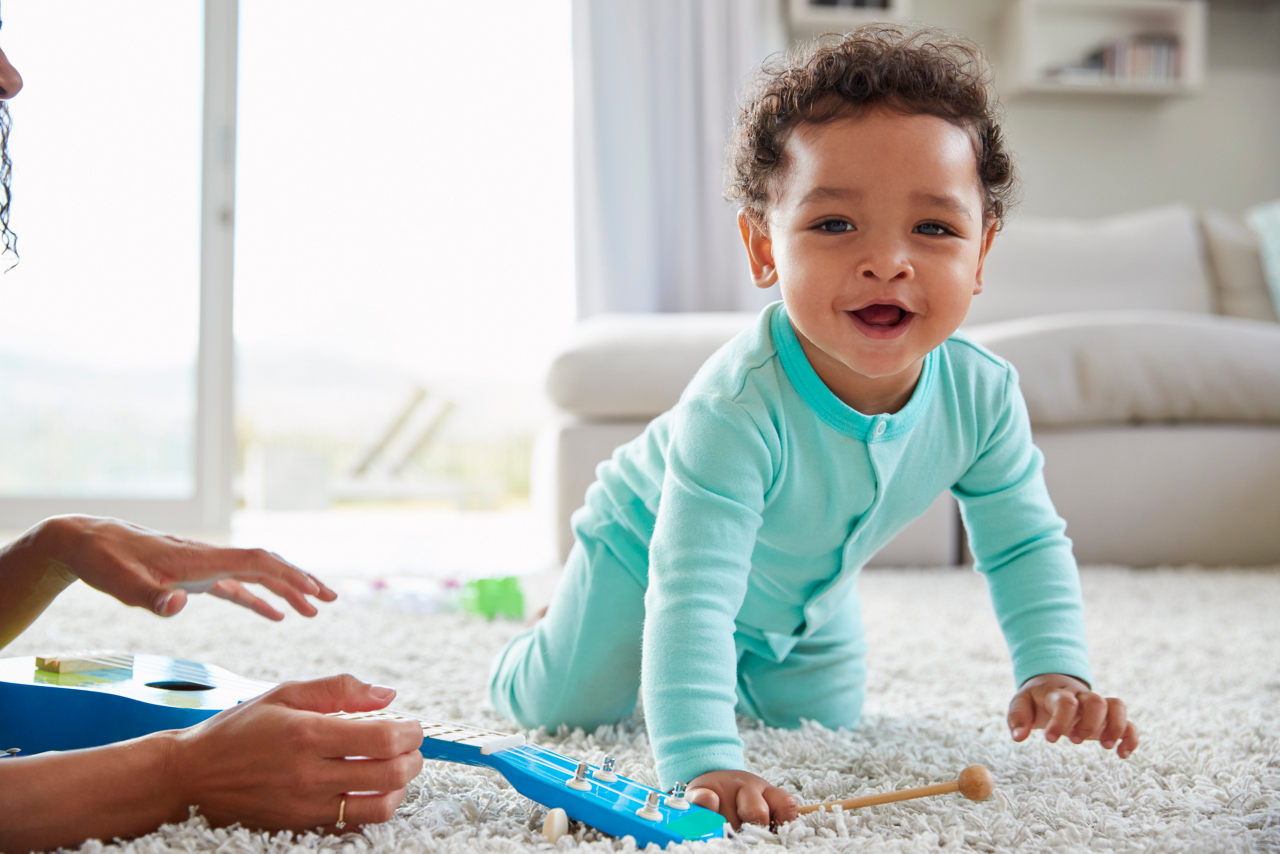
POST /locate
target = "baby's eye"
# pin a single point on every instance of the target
(932, 229)
(836, 226)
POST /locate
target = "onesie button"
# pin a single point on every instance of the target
(879, 428)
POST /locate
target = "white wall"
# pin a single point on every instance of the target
(1088, 155)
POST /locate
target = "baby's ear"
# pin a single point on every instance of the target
(755, 237)
(988, 236)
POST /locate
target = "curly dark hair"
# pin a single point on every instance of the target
(8, 239)
(913, 70)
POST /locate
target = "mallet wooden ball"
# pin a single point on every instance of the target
(974, 782)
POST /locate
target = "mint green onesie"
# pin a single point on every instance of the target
(716, 557)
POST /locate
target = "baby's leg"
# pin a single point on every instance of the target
(823, 679)
(580, 664)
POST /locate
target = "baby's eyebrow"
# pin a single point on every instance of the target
(846, 194)
(825, 194)
(951, 203)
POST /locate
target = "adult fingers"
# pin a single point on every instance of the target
(751, 806)
(368, 775)
(1022, 715)
(336, 738)
(290, 594)
(1062, 706)
(1091, 717)
(1117, 723)
(260, 564)
(344, 693)
(169, 602)
(360, 810)
(195, 561)
(234, 591)
(782, 806)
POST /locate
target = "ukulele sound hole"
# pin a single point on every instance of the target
(179, 686)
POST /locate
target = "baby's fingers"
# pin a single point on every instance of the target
(1129, 743)
(752, 806)
(1117, 723)
(1022, 715)
(705, 798)
(782, 807)
(1091, 718)
(1062, 706)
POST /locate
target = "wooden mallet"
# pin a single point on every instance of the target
(975, 783)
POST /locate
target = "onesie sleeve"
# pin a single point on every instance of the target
(718, 471)
(1019, 544)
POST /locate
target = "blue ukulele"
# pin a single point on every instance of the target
(83, 700)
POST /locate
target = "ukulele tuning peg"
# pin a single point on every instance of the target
(650, 809)
(676, 799)
(579, 779)
(605, 773)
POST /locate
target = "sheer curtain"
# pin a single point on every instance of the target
(656, 86)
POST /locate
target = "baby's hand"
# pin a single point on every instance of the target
(740, 796)
(1063, 705)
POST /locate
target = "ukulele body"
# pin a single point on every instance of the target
(113, 704)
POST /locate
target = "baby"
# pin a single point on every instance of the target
(716, 557)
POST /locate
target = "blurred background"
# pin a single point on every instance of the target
(427, 195)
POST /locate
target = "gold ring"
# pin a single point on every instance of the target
(342, 812)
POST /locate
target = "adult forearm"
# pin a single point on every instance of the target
(31, 577)
(61, 799)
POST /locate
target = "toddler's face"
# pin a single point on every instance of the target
(877, 240)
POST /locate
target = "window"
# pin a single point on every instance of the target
(105, 399)
(404, 261)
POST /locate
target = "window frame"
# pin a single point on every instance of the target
(210, 505)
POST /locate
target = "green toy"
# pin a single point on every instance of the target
(489, 597)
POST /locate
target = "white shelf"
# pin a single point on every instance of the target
(1153, 47)
(808, 18)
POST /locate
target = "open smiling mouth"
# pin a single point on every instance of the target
(881, 320)
(879, 314)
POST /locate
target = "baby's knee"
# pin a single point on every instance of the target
(786, 695)
(523, 690)
(512, 692)
(844, 714)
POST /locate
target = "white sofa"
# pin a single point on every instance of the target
(1149, 353)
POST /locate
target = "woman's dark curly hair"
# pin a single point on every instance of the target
(915, 71)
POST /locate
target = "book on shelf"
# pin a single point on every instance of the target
(1146, 58)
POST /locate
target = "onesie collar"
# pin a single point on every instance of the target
(831, 409)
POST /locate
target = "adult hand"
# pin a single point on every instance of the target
(278, 762)
(153, 570)
(741, 796)
(1063, 705)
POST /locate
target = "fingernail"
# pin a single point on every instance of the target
(1108, 744)
(1020, 733)
(382, 692)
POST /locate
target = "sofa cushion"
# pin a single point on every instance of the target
(1148, 259)
(630, 365)
(1235, 258)
(1141, 367)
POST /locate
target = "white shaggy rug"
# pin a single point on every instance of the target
(1195, 653)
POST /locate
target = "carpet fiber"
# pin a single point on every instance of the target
(1195, 654)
